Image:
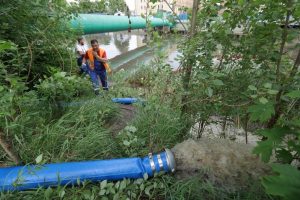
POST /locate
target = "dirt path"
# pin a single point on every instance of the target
(127, 113)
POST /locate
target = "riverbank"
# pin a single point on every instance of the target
(99, 129)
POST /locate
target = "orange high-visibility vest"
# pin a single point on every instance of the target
(91, 59)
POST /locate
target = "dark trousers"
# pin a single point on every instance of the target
(95, 76)
(82, 69)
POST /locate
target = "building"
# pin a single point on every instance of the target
(162, 5)
(182, 4)
(140, 6)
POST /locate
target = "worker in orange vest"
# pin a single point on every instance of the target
(98, 66)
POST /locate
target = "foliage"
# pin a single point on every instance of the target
(61, 87)
(243, 66)
(124, 189)
(285, 183)
(41, 34)
(253, 77)
(283, 141)
(159, 187)
(102, 6)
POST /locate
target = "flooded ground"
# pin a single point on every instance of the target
(118, 43)
(129, 50)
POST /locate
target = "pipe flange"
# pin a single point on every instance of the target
(170, 160)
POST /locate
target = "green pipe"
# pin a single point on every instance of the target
(95, 23)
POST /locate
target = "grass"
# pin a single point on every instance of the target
(79, 133)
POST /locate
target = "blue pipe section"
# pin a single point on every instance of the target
(71, 173)
(126, 101)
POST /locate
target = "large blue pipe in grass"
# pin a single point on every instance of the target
(71, 173)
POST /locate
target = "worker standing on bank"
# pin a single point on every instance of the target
(98, 66)
(81, 49)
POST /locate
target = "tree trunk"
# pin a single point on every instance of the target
(278, 102)
(283, 39)
(187, 72)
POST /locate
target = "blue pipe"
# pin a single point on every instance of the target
(126, 101)
(71, 173)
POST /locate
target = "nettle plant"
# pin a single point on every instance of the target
(245, 60)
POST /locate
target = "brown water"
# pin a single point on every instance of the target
(224, 163)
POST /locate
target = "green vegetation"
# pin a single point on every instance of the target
(102, 6)
(49, 114)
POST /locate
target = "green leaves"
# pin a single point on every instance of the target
(209, 91)
(252, 87)
(261, 111)
(4, 45)
(264, 149)
(268, 85)
(274, 142)
(218, 82)
(294, 94)
(286, 182)
(263, 100)
(62, 87)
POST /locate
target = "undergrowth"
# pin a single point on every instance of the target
(78, 133)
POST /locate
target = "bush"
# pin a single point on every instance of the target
(63, 87)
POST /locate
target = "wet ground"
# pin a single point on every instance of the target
(124, 117)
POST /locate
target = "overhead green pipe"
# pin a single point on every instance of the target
(96, 23)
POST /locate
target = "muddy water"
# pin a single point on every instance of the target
(118, 43)
(227, 164)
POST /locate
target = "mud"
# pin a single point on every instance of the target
(127, 113)
(222, 162)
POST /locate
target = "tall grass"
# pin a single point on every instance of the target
(79, 134)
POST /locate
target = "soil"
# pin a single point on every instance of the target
(222, 162)
(127, 113)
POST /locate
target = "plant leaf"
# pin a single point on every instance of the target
(285, 184)
(263, 100)
(252, 87)
(261, 112)
(218, 82)
(264, 149)
(294, 94)
(39, 159)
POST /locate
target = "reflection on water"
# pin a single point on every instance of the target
(173, 58)
(118, 43)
